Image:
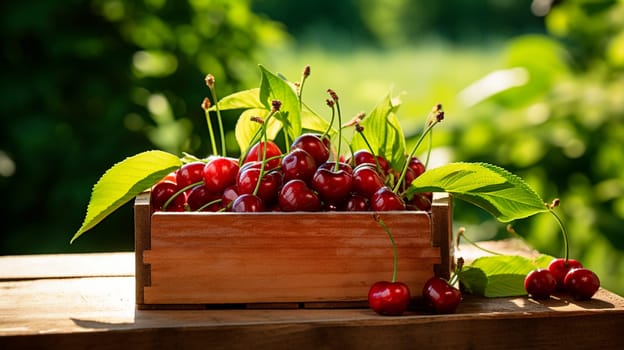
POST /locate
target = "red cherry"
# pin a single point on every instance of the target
(366, 180)
(386, 200)
(247, 203)
(332, 186)
(269, 185)
(311, 143)
(581, 283)
(420, 201)
(273, 153)
(560, 268)
(190, 173)
(160, 194)
(417, 166)
(389, 298)
(355, 202)
(540, 284)
(199, 196)
(298, 164)
(365, 157)
(441, 297)
(297, 196)
(220, 173)
(228, 196)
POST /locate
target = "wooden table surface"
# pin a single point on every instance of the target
(86, 301)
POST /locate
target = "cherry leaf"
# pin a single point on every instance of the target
(500, 275)
(245, 99)
(124, 181)
(272, 88)
(504, 195)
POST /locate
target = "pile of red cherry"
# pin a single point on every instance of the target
(303, 179)
(562, 275)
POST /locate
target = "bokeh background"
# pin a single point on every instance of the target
(536, 87)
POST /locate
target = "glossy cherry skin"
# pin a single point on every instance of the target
(355, 202)
(269, 185)
(219, 173)
(440, 297)
(199, 196)
(420, 201)
(248, 203)
(388, 298)
(365, 157)
(298, 164)
(540, 284)
(417, 166)
(295, 195)
(228, 196)
(190, 173)
(560, 268)
(386, 200)
(581, 283)
(366, 180)
(273, 154)
(313, 145)
(332, 186)
(161, 192)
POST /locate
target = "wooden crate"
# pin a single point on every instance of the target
(327, 259)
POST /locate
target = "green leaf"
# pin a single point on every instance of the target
(500, 275)
(504, 195)
(247, 131)
(272, 88)
(245, 99)
(124, 181)
(383, 132)
(311, 121)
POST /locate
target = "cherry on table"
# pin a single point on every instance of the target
(540, 283)
(560, 267)
(389, 298)
(581, 283)
(440, 296)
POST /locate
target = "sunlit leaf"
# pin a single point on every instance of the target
(500, 275)
(247, 131)
(245, 99)
(124, 181)
(504, 195)
(272, 88)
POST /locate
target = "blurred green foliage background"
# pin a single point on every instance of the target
(533, 87)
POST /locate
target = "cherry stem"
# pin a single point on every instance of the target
(330, 103)
(179, 192)
(462, 233)
(219, 200)
(206, 107)
(360, 129)
(276, 106)
(219, 119)
(438, 115)
(563, 230)
(394, 248)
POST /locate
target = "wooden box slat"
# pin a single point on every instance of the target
(268, 258)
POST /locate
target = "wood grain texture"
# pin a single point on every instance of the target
(225, 258)
(98, 312)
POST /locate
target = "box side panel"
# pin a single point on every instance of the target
(442, 233)
(142, 223)
(200, 258)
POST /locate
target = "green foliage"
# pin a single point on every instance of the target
(90, 82)
(124, 181)
(500, 276)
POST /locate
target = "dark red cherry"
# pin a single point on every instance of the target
(298, 164)
(199, 196)
(269, 186)
(365, 157)
(420, 201)
(297, 196)
(160, 194)
(228, 196)
(273, 154)
(540, 284)
(219, 173)
(559, 268)
(311, 143)
(441, 297)
(581, 283)
(355, 202)
(190, 173)
(417, 166)
(386, 200)
(247, 203)
(332, 186)
(332, 166)
(389, 298)
(366, 180)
